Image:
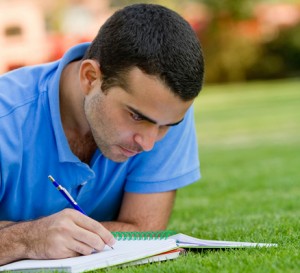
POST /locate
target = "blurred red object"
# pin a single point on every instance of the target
(23, 38)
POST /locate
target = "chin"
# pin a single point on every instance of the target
(118, 158)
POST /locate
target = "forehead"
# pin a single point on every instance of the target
(137, 78)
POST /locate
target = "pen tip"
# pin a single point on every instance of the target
(51, 178)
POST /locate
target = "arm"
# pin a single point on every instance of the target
(4, 224)
(65, 234)
(69, 233)
(141, 212)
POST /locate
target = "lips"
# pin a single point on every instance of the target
(128, 153)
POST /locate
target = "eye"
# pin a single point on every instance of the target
(136, 117)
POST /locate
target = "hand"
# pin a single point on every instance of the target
(65, 234)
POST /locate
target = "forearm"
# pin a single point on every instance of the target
(120, 226)
(143, 212)
(4, 224)
(123, 226)
(13, 241)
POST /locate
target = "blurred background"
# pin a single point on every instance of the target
(242, 40)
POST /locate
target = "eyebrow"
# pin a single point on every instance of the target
(150, 119)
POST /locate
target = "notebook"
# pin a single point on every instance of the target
(169, 255)
(186, 241)
(131, 248)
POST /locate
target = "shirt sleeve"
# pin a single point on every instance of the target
(171, 164)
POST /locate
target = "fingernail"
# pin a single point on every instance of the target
(112, 241)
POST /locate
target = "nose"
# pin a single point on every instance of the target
(147, 138)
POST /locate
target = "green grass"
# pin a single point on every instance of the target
(249, 143)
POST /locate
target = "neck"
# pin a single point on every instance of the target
(73, 118)
(72, 100)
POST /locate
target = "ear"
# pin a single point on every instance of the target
(89, 74)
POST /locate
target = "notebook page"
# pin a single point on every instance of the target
(124, 251)
(189, 241)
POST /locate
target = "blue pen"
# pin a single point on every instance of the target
(66, 194)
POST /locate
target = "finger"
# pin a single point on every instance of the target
(78, 248)
(83, 233)
(88, 238)
(95, 227)
(103, 233)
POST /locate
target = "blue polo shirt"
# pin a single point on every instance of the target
(33, 145)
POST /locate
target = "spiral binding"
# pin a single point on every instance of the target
(144, 235)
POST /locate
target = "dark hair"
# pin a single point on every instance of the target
(156, 40)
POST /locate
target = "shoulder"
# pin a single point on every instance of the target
(22, 86)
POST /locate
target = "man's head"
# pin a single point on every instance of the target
(139, 76)
(156, 40)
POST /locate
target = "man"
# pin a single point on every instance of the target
(113, 123)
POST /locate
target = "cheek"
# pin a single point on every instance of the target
(122, 128)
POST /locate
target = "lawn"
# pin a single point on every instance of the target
(249, 145)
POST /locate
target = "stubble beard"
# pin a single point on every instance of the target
(106, 148)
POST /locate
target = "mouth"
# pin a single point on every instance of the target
(127, 152)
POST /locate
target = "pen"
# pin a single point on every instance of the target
(68, 196)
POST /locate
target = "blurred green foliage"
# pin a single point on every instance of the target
(232, 58)
(228, 58)
(237, 9)
(278, 58)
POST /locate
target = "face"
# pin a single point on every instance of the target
(127, 122)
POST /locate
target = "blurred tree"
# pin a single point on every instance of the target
(229, 51)
(237, 9)
(236, 53)
(233, 8)
(279, 57)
